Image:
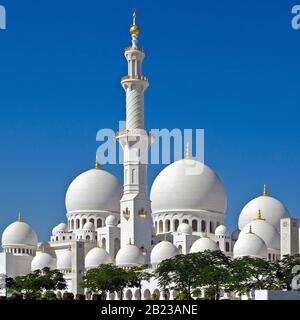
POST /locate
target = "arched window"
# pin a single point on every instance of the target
(72, 224)
(161, 228)
(167, 225)
(185, 221)
(203, 226)
(195, 225)
(211, 227)
(64, 238)
(77, 223)
(83, 222)
(92, 221)
(88, 238)
(99, 223)
(227, 247)
(155, 224)
(128, 295)
(180, 249)
(56, 238)
(176, 224)
(147, 295)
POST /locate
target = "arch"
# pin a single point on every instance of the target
(161, 228)
(195, 225)
(83, 222)
(227, 247)
(77, 223)
(147, 294)
(92, 221)
(185, 221)
(203, 226)
(137, 295)
(156, 293)
(176, 224)
(128, 295)
(99, 223)
(211, 227)
(180, 249)
(155, 226)
(72, 224)
(112, 296)
(167, 225)
(87, 238)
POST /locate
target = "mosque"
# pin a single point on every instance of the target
(110, 223)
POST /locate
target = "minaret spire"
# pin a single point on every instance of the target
(97, 164)
(19, 217)
(134, 31)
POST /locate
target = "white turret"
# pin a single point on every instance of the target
(136, 222)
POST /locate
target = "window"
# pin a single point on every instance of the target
(195, 225)
(167, 225)
(227, 247)
(211, 227)
(176, 224)
(161, 226)
(99, 223)
(77, 223)
(180, 249)
(203, 226)
(88, 238)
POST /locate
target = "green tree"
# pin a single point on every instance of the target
(33, 284)
(105, 278)
(213, 271)
(135, 277)
(248, 274)
(284, 270)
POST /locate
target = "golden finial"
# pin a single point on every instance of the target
(205, 235)
(250, 230)
(187, 152)
(259, 217)
(97, 164)
(19, 217)
(134, 30)
(265, 193)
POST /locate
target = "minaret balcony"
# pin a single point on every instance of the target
(138, 77)
(134, 49)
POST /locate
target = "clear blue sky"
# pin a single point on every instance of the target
(230, 67)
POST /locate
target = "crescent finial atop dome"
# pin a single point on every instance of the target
(265, 193)
(187, 152)
(97, 164)
(259, 217)
(250, 230)
(19, 217)
(134, 29)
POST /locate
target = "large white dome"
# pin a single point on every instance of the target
(96, 257)
(64, 260)
(41, 261)
(204, 244)
(19, 234)
(94, 190)
(129, 256)
(264, 230)
(162, 251)
(188, 185)
(272, 209)
(250, 245)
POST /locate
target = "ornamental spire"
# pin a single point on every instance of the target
(265, 193)
(187, 152)
(134, 31)
(259, 217)
(250, 230)
(19, 217)
(97, 164)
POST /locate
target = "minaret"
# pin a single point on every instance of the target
(136, 221)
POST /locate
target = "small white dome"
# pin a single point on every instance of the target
(221, 231)
(129, 256)
(272, 209)
(94, 190)
(250, 245)
(264, 230)
(96, 257)
(204, 244)
(19, 234)
(185, 228)
(235, 234)
(41, 261)
(111, 221)
(64, 260)
(62, 227)
(162, 251)
(89, 226)
(188, 185)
